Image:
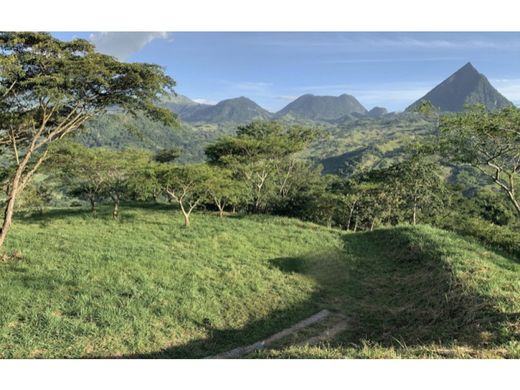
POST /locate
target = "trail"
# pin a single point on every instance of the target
(319, 317)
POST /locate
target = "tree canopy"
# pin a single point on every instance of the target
(50, 88)
(489, 141)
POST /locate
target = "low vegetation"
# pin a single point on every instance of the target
(144, 286)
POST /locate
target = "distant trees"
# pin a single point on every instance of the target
(98, 173)
(118, 169)
(49, 88)
(405, 191)
(417, 185)
(81, 171)
(489, 141)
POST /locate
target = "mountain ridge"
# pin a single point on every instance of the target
(315, 107)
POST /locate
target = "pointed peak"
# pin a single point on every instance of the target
(468, 68)
(466, 85)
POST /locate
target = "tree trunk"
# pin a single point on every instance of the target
(220, 211)
(115, 211)
(8, 218)
(414, 218)
(92, 205)
(355, 225)
(372, 225)
(186, 218)
(11, 199)
(513, 200)
(350, 218)
(185, 213)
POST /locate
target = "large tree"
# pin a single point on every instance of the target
(262, 155)
(489, 141)
(50, 88)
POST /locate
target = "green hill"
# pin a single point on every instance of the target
(144, 286)
(118, 130)
(237, 110)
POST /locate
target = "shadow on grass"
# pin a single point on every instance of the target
(49, 214)
(402, 292)
(395, 287)
(103, 211)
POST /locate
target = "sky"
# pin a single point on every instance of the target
(391, 70)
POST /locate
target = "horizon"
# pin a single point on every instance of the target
(390, 70)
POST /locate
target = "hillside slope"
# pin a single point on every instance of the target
(144, 286)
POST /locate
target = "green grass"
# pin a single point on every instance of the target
(417, 292)
(145, 286)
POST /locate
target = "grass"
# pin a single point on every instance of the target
(418, 292)
(145, 286)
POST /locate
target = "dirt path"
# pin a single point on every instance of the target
(337, 328)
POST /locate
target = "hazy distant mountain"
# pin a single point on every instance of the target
(377, 112)
(238, 110)
(465, 86)
(313, 107)
(183, 106)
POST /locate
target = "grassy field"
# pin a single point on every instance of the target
(145, 286)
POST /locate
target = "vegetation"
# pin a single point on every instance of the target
(143, 286)
(413, 251)
(50, 88)
(490, 141)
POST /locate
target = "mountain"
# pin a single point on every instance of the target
(465, 86)
(377, 112)
(183, 106)
(313, 107)
(238, 110)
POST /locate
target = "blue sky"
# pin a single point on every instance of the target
(380, 69)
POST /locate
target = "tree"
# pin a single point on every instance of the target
(489, 141)
(80, 170)
(118, 168)
(167, 155)
(258, 153)
(417, 184)
(144, 183)
(186, 184)
(97, 173)
(50, 88)
(350, 195)
(223, 189)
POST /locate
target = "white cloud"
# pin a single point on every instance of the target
(510, 88)
(362, 41)
(204, 101)
(249, 86)
(288, 98)
(123, 44)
